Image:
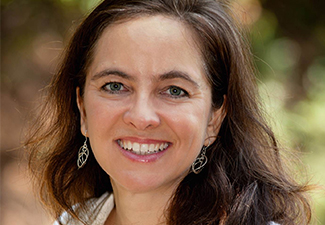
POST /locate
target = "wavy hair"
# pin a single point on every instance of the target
(245, 180)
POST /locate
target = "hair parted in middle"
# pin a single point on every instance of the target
(244, 181)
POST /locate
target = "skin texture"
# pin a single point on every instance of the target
(143, 58)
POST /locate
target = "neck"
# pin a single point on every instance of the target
(139, 208)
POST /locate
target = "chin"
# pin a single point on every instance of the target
(145, 183)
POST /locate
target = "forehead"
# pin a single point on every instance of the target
(148, 45)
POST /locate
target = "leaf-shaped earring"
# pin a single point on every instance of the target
(200, 161)
(83, 154)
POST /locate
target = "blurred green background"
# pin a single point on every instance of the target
(288, 42)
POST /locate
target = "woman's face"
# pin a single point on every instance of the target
(147, 104)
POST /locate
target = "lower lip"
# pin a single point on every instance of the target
(142, 158)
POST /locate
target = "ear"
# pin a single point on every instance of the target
(83, 118)
(216, 118)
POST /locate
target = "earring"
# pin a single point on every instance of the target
(200, 161)
(83, 154)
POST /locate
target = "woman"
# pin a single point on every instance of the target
(153, 118)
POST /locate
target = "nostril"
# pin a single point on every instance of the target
(142, 117)
(143, 123)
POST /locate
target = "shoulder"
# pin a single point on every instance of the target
(98, 210)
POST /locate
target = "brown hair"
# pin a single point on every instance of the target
(244, 182)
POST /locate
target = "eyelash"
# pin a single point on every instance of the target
(105, 88)
(182, 95)
(167, 91)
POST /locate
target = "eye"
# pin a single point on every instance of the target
(114, 87)
(176, 92)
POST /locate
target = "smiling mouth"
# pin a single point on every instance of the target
(142, 149)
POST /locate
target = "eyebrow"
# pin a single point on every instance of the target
(111, 72)
(178, 74)
(174, 74)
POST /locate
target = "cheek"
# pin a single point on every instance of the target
(190, 130)
(101, 115)
(188, 122)
(188, 125)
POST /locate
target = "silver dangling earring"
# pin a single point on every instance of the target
(83, 154)
(200, 161)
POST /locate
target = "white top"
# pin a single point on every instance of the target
(101, 209)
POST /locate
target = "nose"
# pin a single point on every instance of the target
(142, 114)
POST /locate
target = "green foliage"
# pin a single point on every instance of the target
(84, 5)
(300, 124)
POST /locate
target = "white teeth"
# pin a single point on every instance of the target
(136, 147)
(161, 147)
(142, 149)
(151, 147)
(129, 144)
